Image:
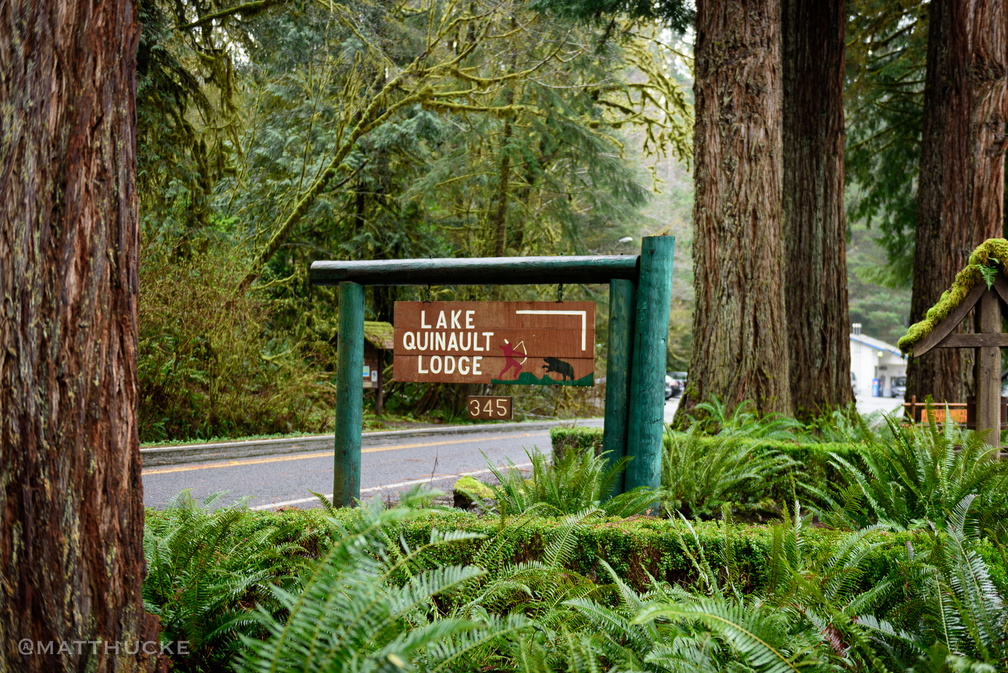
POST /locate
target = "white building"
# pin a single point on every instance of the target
(874, 359)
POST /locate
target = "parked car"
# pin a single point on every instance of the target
(898, 387)
(677, 385)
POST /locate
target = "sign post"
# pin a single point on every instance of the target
(349, 395)
(637, 324)
(647, 379)
(619, 358)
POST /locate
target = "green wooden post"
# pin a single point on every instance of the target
(349, 396)
(647, 378)
(622, 297)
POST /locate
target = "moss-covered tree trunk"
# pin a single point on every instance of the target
(71, 552)
(815, 226)
(739, 332)
(961, 189)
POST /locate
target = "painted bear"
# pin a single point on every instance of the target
(560, 367)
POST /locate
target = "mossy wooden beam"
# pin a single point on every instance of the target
(478, 271)
(955, 316)
(980, 285)
(988, 257)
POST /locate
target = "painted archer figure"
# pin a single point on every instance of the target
(509, 358)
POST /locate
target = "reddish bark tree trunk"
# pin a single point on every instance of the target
(960, 197)
(815, 226)
(71, 536)
(739, 333)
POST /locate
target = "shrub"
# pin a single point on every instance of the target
(712, 417)
(206, 365)
(701, 474)
(371, 605)
(810, 470)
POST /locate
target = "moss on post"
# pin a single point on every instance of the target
(991, 254)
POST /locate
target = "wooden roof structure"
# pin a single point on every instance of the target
(379, 334)
(985, 273)
(981, 285)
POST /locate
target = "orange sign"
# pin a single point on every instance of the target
(527, 343)
(937, 414)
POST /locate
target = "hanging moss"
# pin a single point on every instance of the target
(992, 253)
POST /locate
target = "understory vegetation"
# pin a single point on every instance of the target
(850, 544)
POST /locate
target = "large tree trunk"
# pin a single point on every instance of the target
(961, 188)
(71, 536)
(815, 226)
(739, 335)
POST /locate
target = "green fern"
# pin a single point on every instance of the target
(915, 477)
(827, 586)
(768, 640)
(712, 417)
(575, 481)
(698, 478)
(967, 613)
(367, 606)
(205, 569)
(845, 426)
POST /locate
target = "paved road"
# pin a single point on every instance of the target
(388, 465)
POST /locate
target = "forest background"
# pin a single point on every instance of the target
(272, 134)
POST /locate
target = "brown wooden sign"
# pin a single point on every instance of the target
(528, 343)
(489, 408)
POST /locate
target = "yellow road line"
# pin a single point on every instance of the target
(322, 454)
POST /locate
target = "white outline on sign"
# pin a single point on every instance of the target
(584, 320)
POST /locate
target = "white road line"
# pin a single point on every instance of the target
(385, 487)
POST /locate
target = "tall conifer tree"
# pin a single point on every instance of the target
(71, 502)
(739, 332)
(960, 196)
(815, 226)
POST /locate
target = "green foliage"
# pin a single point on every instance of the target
(207, 366)
(844, 426)
(573, 482)
(916, 477)
(676, 15)
(964, 611)
(701, 474)
(836, 587)
(758, 476)
(289, 132)
(647, 549)
(884, 110)
(578, 439)
(712, 417)
(763, 638)
(586, 593)
(371, 605)
(205, 571)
